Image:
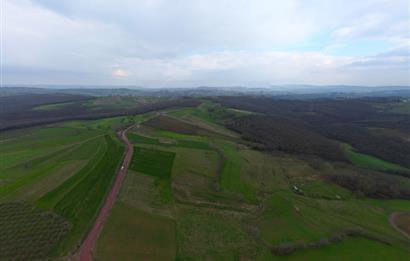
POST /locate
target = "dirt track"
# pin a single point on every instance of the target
(88, 245)
(392, 221)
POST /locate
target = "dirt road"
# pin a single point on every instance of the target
(88, 245)
(392, 221)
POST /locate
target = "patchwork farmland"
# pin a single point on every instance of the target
(207, 181)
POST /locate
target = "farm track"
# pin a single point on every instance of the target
(87, 247)
(392, 221)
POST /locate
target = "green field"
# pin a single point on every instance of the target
(351, 249)
(218, 187)
(109, 102)
(209, 196)
(65, 169)
(79, 198)
(370, 162)
(152, 236)
(152, 162)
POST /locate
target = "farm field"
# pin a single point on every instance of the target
(153, 236)
(197, 187)
(229, 201)
(62, 170)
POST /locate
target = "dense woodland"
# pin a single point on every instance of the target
(18, 111)
(311, 122)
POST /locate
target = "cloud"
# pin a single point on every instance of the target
(120, 73)
(204, 42)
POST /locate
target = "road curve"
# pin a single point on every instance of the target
(87, 247)
(392, 221)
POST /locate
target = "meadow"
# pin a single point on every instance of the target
(229, 201)
(196, 188)
(63, 170)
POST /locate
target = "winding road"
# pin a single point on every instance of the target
(87, 247)
(392, 221)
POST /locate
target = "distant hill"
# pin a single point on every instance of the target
(281, 91)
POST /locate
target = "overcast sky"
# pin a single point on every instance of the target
(181, 43)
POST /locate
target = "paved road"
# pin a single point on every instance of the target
(88, 245)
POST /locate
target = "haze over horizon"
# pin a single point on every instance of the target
(155, 43)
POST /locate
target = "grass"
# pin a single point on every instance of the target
(80, 197)
(136, 138)
(98, 103)
(65, 168)
(226, 202)
(402, 107)
(321, 189)
(132, 234)
(192, 144)
(37, 142)
(208, 115)
(54, 106)
(30, 161)
(152, 162)
(180, 142)
(212, 235)
(351, 249)
(371, 162)
(231, 180)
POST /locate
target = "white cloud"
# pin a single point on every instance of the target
(120, 73)
(203, 42)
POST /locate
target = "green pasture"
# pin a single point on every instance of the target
(371, 162)
(152, 162)
(132, 234)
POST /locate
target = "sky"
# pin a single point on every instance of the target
(187, 43)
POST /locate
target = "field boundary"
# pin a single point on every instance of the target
(289, 248)
(88, 245)
(392, 221)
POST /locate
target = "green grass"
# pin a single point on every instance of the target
(371, 162)
(231, 180)
(152, 162)
(180, 142)
(80, 197)
(29, 161)
(132, 234)
(402, 107)
(321, 189)
(49, 200)
(192, 144)
(351, 249)
(208, 115)
(136, 138)
(37, 142)
(54, 106)
(238, 209)
(66, 168)
(212, 235)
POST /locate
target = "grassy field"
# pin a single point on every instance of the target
(402, 107)
(226, 222)
(43, 157)
(205, 195)
(152, 237)
(65, 169)
(370, 162)
(152, 162)
(351, 249)
(109, 102)
(79, 198)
